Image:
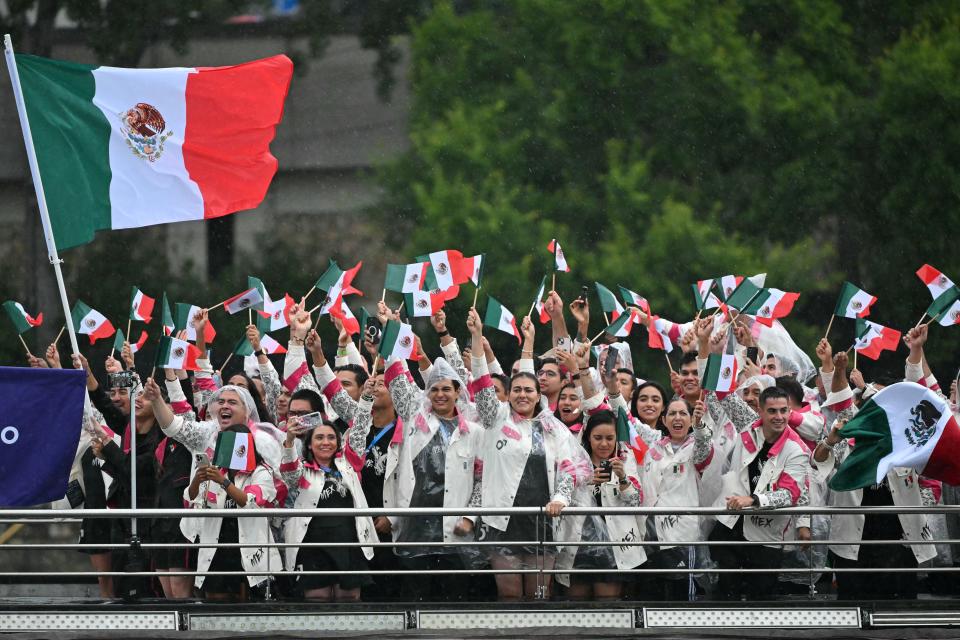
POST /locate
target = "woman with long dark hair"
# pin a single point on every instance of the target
(327, 476)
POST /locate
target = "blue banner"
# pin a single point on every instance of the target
(41, 411)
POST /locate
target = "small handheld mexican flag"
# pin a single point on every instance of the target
(854, 302)
(235, 451)
(499, 317)
(397, 341)
(629, 436)
(248, 299)
(623, 325)
(254, 282)
(873, 338)
(471, 269)
(183, 319)
(90, 322)
(22, 320)
(538, 302)
(134, 346)
(608, 301)
(141, 306)
(166, 318)
(174, 353)
(904, 425)
(720, 374)
(703, 295)
(559, 258)
(422, 304)
(275, 314)
(337, 283)
(633, 298)
(444, 265)
(663, 334)
(726, 285)
(405, 278)
(350, 323)
(774, 304)
(946, 296)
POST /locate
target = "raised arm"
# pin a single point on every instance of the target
(492, 412)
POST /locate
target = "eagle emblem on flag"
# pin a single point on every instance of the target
(923, 425)
(144, 130)
(242, 449)
(726, 372)
(90, 323)
(405, 342)
(442, 268)
(857, 305)
(178, 352)
(413, 278)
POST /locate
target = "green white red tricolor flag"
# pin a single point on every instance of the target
(946, 296)
(255, 283)
(538, 302)
(471, 269)
(350, 323)
(184, 318)
(629, 436)
(268, 344)
(119, 339)
(405, 278)
(559, 258)
(873, 338)
(774, 304)
(397, 341)
(22, 320)
(854, 302)
(141, 306)
(720, 373)
(248, 299)
(499, 317)
(422, 304)
(622, 326)
(123, 148)
(703, 294)
(90, 322)
(608, 301)
(442, 264)
(903, 425)
(166, 318)
(726, 285)
(662, 334)
(275, 314)
(633, 298)
(175, 353)
(235, 451)
(337, 283)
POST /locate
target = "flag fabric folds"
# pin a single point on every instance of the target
(235, 451)
(397, 341)
(41, 412)
(608, 301)
(141, 306)
(248, 299)
(720, 374)
(22, 320)
(183, 320)
(405, 278)
(499, 317)
(560, 260)
(873, 338)
(90, 322)
(854, 302)
(174, 353)
(903, 425)
(137, 147)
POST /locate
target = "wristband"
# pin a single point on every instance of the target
(575, 376)
(443, 334)
(226, 483)
(296, 340)
(341, 351)
(259, 352)
(756, 499)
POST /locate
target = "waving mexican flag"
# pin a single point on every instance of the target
(123, 148)
(904, 425)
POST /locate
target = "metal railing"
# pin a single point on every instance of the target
(542, 545)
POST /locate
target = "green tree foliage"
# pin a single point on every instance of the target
(663, 142)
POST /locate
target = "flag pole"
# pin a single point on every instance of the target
(383, 296)
(553, 282)
(596, 337)
(24, 343)
(669, 364)
(52, 254)
(829, 324)
(60, 335)
(854, 358)
(224, 365)
(476, 292)
(920, 321)
(932, 320)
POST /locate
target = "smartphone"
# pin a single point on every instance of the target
(202, 460)
(753, 353)
(606, 466)
(610, 362)
(584, 290)
(311, 420)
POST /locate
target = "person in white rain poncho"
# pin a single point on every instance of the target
(530, 459)
(229, 406)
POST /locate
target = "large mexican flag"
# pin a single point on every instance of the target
(904, 425)
(122, 148)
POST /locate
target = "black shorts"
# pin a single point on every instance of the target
(183, 556)
(94, 532)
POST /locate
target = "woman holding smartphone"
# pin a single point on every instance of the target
(615, 483)
(327, 476)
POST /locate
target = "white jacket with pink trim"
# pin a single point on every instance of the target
(261, 492)
(782, 482)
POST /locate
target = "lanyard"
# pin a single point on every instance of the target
(380, 435)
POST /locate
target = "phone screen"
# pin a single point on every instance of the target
(752, 354)
(610, 361)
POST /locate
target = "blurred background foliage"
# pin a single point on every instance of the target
(661, 141)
